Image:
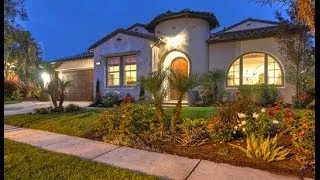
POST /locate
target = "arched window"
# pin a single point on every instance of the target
(255, 68)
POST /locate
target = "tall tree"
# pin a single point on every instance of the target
(295, 44)
(305, 9)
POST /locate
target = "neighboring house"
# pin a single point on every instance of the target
(182, 41)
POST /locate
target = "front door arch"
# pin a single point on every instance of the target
(179, 65)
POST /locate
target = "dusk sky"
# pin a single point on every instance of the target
(67, 27)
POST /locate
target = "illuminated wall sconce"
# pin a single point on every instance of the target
(98, 63)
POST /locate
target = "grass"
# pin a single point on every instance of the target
(22, 161)
(11, 102)
(82, 123)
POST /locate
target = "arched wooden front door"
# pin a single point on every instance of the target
(178, 65)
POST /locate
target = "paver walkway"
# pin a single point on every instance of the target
(153, 163)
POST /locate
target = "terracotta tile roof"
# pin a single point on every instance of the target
(208, 16)
(123, 31)
(77, 56)
(249, 19)
(247, 34)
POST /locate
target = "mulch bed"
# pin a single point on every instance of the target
(221, 152)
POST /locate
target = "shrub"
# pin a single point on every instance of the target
(123, 123)
(211, 83)
(43, 96)
(47, 110)
(72, 108)
(128, 99)
(265, 149)
(220, 130)
(303, 131)
(260, 124)
(263, 95)
(11, 90)
(229, 111)
(303, 100)
(26, 89)
(36, 91)
(110, 98)
(194, 131)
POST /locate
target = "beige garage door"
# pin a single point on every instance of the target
(82, 88)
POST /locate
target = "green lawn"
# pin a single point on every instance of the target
(81, 123)
(22, 161)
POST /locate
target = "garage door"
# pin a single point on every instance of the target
(82, 88)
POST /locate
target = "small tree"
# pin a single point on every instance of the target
(63, 85)
(154, 83)
(182, 84)
(51, 69)
(211, 82)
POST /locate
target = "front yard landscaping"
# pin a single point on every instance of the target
(22, 161)
(195, 137)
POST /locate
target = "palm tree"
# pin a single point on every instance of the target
(211, 81)
(51, 69)
(63, 85)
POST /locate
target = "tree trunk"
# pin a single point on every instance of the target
(176, 114)
(160, 115)
(61, 99)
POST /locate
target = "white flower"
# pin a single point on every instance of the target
(241, 115)
(263, 110)
(275, 121)
(234, 132)
(243, 122)
(236, 127)
(255, 115)
(239, 125)
(244, 129)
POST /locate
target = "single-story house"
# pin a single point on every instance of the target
(182, 41)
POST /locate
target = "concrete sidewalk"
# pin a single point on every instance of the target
(163, 165)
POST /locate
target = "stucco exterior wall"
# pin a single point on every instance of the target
(196, 47)
(128, 43)
(81, 64)
(222, 54)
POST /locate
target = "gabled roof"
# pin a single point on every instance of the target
(246, 20)
(247, 34)
(137, 24)
(123, 31)
(208, 16)
(77, 56)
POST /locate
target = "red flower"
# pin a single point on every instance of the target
(272, 111)
(301, 133)
(210, 126)
(304, 125)
(216, 119)
(303, 96)
(289, 114)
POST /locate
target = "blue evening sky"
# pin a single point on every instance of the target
(67, 27)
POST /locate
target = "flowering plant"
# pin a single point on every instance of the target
(220, 130)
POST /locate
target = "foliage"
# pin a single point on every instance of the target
(53, 86)
(154, 83)
(194, 131)
(47, 110)
(128, 98)
(142, 92)
(302, 131)
(260, 124)
(228, 112)
(265, 149)
(263, 95)
(211, 83)
(305, 10)
(11, 90)
(110, 98)
(220, 130)
(181, 83)
(63, 85)
(72, 108)
(124, 123)
(295, 44)
(43, 95)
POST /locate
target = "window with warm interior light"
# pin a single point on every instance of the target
(255, 68)
(130, 71)
(113, 71)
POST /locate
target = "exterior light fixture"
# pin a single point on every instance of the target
(98, 63)
(46, 79)
(176, 41)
